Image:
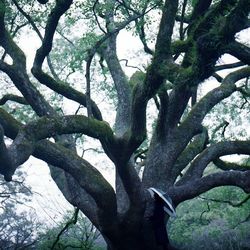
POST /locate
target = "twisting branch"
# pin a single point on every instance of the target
(211, 153)
(201, 185)
(196, 116)
(65, 159)
(129, 66)
(60, 8)
(224, 165)
(32, 23)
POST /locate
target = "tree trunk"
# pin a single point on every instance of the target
(130, 239)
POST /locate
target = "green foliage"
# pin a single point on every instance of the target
(81, 235)
(215, 220)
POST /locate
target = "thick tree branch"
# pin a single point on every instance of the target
(144, 91)
(200, 9)
(229, 66)
(66, 90)
(240, 51)
(32, 23)
(163, 42)
(29, 92)
(63, 158)
(121, 84)
(23, 145)
(224, 165)
(60, 8)
(212, 153)
(13, 98)
(213, 97)
(199, 186)
(190, 152)
(17, 71)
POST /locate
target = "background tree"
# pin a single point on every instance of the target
(187, 44)
(18, 229)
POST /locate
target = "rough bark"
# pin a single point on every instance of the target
(180, 149)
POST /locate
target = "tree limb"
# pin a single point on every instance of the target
(224, 165)
(229, 66)
(63, 158)
(201, 185)
(240, 51)
(197, 114)
(14, 98)
(211, 153)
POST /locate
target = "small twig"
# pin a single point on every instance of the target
(96, 17)
(205, 211)
(129, 66)
(239, 204)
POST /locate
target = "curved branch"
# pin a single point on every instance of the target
(21, 80)
(31, 22)
(14, 98)
(211, 153)
(190, 152)
(23, 145)
(240, 51)
(17, 71)
(213, 97)
(163, 42)
(63, 158)
(199, 186)
(224, 165)
(60, 8)
(66, 90)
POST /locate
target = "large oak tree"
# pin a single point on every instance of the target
(179, 150)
